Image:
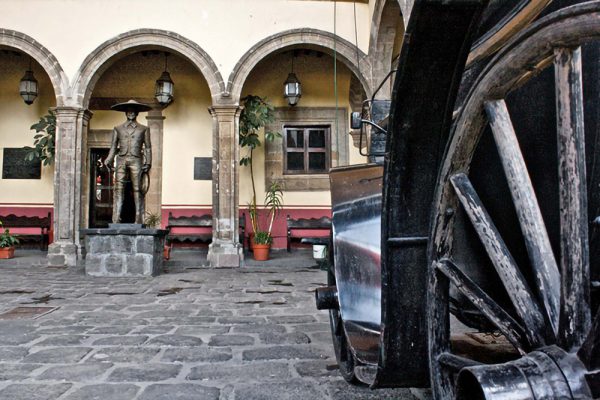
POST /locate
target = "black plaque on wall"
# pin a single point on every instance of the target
(14, 165)
(202, 168)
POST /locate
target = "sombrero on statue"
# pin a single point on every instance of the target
(131, 105)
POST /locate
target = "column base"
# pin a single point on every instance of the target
(225, 255)
(62, 254)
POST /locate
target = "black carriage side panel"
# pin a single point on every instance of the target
(437, 42)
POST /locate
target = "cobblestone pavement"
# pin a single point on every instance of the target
(248, 333)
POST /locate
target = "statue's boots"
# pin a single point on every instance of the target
(139, 207)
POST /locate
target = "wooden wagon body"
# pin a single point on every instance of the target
(482, 216)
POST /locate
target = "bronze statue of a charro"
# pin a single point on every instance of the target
(133, 150)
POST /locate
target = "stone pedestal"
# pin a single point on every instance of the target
(124, 251)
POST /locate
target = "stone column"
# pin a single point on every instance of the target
(71, 127)
(225, 249)
(154, 196)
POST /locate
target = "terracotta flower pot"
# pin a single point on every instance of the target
(7, 252)
(166, 252)
(261, 252)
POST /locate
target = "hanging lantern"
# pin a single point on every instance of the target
(28, 87)
(163, 91)
(292, 89)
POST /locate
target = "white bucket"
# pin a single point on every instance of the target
(319, 251)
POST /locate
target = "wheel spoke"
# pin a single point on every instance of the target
(575, 319)
(486, 305)
(528, 211)
(506, 267)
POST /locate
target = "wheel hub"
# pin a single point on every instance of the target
(547, 373)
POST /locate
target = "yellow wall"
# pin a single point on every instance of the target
(316, 76)
(225, 29)
(224, 32)
(187, 124)
(15, 119)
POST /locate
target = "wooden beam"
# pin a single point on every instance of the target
(523, 300)
(575, 318)
(528, 210)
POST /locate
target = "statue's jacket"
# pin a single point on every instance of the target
(130, 138)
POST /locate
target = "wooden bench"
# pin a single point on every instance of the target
(305, 224)
(190, 226)
(43, 223)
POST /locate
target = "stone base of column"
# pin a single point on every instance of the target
(62, 254)
(225, 255)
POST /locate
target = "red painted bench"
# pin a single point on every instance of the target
(196, 229)
(306, 228)
(30, 225)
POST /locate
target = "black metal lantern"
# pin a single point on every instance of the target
(163, 91)
(292, 89)
(28, 86)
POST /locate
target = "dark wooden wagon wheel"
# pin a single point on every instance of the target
(513, 248)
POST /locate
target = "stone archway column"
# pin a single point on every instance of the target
(71, 126)
(225, 249)
(156, 121)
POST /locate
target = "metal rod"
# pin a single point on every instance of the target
(486, 305)
(408, 241)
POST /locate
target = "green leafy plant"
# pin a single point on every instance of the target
(152, 220)
(44, 139)
(6, 239)
(261, 237)
(273, 204)
(256, 114)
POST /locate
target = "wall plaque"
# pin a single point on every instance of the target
(202, 168)
(14, 165)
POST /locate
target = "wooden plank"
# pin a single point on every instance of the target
(438, 326)
(309, 223)
(575, 318)
(589, 353)
(523, 300)
(486, 305)
(528, 210)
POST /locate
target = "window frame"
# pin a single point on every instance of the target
(306, 150)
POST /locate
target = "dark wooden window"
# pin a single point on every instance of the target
(306, 149)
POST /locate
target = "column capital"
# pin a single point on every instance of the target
(232, 110)
(67, 111)
(155, 115)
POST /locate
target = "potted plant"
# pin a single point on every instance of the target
(262, 238)
(7, 244)
(153, 220)
(255, 115)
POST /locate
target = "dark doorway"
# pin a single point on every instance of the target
(101, 193)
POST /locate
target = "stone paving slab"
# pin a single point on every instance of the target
(226, 334)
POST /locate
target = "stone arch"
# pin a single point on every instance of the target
(137, 40)
(309, 38)
(43, 56)
(386, 18)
